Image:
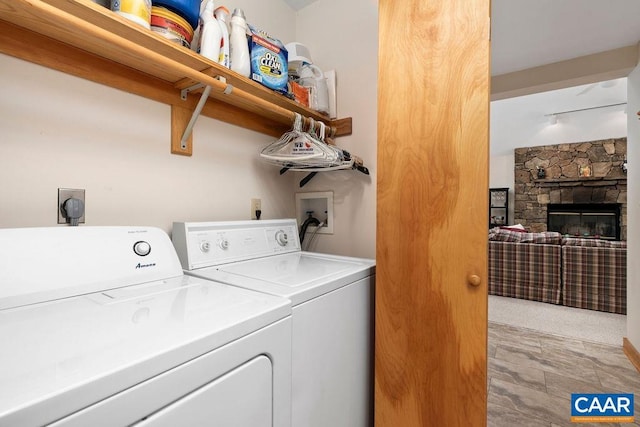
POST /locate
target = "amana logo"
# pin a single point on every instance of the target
(599, 408)
(140, 265)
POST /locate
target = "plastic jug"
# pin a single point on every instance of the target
(313, 78)
(221, 14)
(238, 45)
(210, 34)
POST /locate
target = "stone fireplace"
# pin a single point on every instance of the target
(586, 173)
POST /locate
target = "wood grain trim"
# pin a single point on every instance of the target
(180, 116)
(342, 126)
(432, 204)
(42, 50)
(631, 352)
(94, 29)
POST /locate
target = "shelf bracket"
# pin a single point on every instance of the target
(184, 146)
(307, 178)
(184, 92)
(304, 180)
(182, 122)
(196, 113)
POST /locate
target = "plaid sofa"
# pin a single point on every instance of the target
(582, 273)
(527, 271)
(594, 274)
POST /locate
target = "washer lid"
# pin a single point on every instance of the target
(63, 355)
(291, 270)
(299, 276)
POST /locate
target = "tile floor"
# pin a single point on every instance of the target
(531, 376)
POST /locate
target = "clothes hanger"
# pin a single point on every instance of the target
(294, 145)
(309, 151)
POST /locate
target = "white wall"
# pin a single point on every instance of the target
(344, 36)
(633, 211)
(60, 131)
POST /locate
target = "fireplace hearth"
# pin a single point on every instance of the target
(600, 220)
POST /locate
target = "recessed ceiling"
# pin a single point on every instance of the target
(529, 33)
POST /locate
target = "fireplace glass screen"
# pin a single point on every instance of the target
(597, 220)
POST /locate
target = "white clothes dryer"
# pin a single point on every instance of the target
(332, 299)
(101, 328)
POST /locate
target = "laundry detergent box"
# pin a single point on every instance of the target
(269, 64)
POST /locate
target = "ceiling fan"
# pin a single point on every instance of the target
(605, 85)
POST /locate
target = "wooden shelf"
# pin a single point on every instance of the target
(84, 39)
(582, 178)
(578, 181)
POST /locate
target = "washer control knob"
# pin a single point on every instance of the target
(224, 244)
(205, 246)
(141, 248)
(282, 238)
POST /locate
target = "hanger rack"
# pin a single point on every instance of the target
(309, 150)
(304, 181)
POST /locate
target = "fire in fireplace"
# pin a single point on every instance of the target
(600, 220)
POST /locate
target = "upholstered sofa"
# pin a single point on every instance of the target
(547, 267)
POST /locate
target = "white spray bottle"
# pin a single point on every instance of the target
(211, 33)
(222, 13)
(239, 46)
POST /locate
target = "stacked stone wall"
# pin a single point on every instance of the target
(585, 172)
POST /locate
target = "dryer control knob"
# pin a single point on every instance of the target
(141, 248)
(205, 246)
(282, 238)
(224, 244)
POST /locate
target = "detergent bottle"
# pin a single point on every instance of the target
(239, 46)
(211, 34)
(313, 78)
(221, 14)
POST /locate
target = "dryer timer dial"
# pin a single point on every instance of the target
(282, 238)
(142, 248)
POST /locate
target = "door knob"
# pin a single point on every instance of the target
(474, 280)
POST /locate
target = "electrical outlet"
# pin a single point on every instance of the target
(67, 193)
(256, 205)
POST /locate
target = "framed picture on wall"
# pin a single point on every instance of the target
(585, 171)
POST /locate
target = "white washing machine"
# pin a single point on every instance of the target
(332, 299)
(99, 327)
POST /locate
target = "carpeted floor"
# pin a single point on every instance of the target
(587, 325)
